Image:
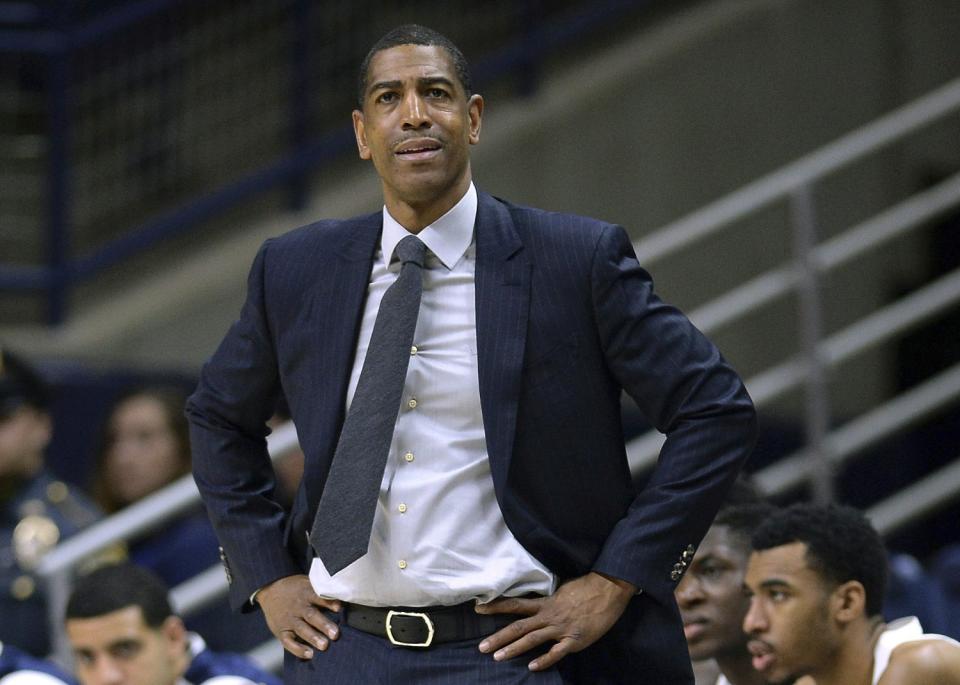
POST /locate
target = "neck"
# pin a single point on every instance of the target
(738, 669)
(853, 664)
(415, 214)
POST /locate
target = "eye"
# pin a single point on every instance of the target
(778, 595)
(438, 93)
(711, 572)
(125, 650)
(386, 97)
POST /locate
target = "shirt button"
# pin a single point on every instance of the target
(412, 403)
(402, 508)
(402, 564)
(408, 456)
(413, 350)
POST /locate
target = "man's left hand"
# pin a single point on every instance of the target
(578, 614)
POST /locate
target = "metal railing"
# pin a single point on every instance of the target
(156, 117)
(826, 447)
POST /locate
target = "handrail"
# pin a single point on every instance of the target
(917, 500)
(866, 430)
(910, 310)
(778, 184)
(154, 509)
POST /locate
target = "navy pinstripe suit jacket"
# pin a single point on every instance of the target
(566, 318)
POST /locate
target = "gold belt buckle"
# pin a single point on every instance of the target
(416, 614)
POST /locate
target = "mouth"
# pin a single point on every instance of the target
(694, 627)
(418, 149)
(762, 655)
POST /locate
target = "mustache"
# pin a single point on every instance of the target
(396, 142)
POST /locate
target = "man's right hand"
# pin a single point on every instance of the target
(294, 616)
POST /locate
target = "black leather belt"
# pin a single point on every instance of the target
(425, 626)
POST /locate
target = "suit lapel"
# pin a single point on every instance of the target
(502, 302)
(336, 311)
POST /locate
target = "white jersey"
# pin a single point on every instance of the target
(722, 680)
(898, 632)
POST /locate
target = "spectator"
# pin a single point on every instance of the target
(145, 448)
(18, 668)
(816, 581)
(123, 631)
(36, 509)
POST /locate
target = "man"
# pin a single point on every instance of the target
(122, 631)
(18, 668)
(816, 582)
(711, 599)
(496, 518)
(36, 509)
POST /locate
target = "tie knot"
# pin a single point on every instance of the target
(411, 249)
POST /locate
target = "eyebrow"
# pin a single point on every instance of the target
(423, 81)
(774, 582)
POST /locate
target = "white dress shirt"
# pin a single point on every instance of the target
(439, 537)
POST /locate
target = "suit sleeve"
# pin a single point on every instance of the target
(686, 390)
(236, 394)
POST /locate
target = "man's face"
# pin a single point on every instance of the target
(119, 648)
(416, 125)
(789, 624)
(711, 597)
(24, 435)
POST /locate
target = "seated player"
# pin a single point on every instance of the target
(122, 631)
(816, 583)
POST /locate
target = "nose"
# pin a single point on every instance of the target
(754, 621)
(414, 112)
(689, 592)
(107, 672)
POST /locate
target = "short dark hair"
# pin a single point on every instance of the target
(841, 543)
(743, 519)
(119, 586)
(20, 385)
(414, 34)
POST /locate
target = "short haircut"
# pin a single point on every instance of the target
(20, 385)
(414, 34)
(743, 519)
(119, 586)
(841, 543)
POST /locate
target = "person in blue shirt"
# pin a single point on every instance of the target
(122, 631)
(19, 668)
(37, 510)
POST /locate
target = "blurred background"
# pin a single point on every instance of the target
(788, 170)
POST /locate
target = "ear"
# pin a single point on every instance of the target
(359, 131)
(475, 113)
(848, 602)
(175, 633)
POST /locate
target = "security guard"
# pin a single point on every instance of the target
(36, 510)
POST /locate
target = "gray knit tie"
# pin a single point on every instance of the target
(341, 528)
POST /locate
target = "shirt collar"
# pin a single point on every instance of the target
(448, 237)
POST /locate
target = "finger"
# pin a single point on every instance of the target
(331, 604)
(524, 644)
(310, 635)
(321, 622)
(510, 605)
(556, 653)
(294, 646)
(510, 633)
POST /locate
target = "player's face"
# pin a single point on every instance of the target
(416, 126)
(788, 620)
(119, 648)
(711, 597)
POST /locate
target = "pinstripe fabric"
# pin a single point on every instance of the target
(358, 658)
(566, 319)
